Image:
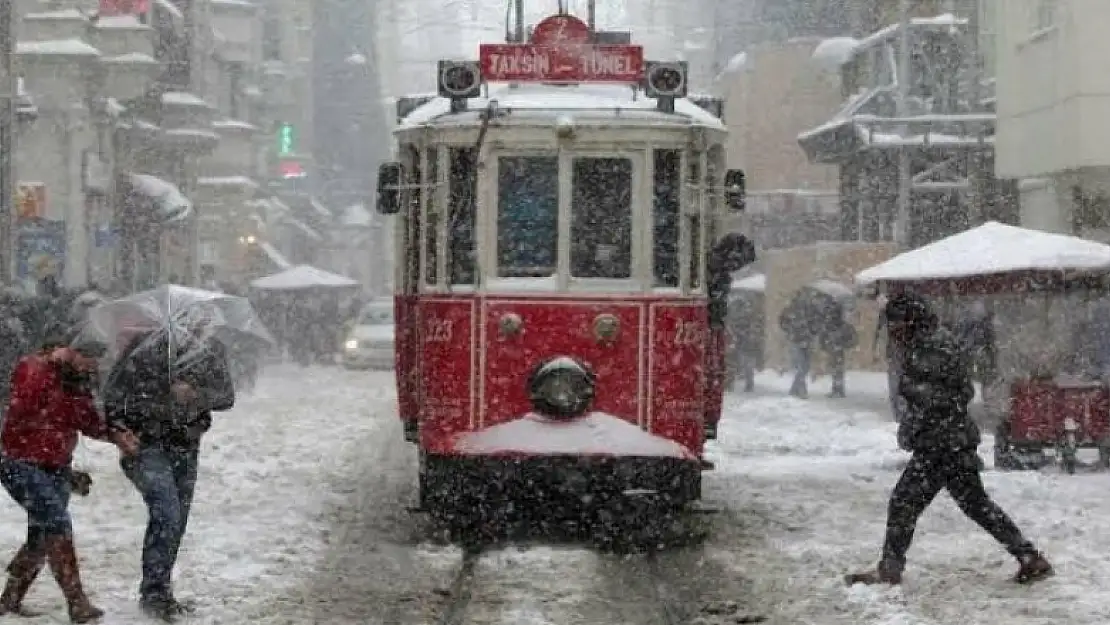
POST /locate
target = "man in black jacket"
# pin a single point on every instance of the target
(936, 384)
(169, 406)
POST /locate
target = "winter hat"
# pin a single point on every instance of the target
(908, 308)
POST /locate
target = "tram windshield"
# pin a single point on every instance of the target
(527, 216)
(601, 218)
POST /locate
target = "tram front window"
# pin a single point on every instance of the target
(527, 216)
(601, 218)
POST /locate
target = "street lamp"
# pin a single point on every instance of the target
(248, 239)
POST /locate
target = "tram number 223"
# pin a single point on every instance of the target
(689, 333)
(437, 330)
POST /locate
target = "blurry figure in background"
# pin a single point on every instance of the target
(838, 338)
(165, 387)
(745, 334)
(893, 366)
(801, 323)
(731, 253)
(51, 402)
(975, 331)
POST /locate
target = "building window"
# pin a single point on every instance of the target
(271, 37)
(235, 87)
(1045, 15)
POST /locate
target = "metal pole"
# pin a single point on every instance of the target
(8, 94)
(902, 221)
(977, 162)
(591, 16)
(519, 8)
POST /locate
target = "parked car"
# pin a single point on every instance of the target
(369, 343)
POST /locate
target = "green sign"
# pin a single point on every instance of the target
(287, 140)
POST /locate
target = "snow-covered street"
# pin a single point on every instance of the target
(301, 517)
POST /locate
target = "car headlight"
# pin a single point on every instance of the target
(351, 344)
(562, 388)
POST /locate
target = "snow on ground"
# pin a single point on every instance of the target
(821, 472)
(255, 532)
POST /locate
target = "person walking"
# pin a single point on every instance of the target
(936, 383)
(170, 409)
(50, 404)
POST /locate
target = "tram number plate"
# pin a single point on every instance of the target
(438, 330)
(689, 333)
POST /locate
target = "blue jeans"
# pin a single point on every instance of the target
(166, 478)
(44, 494)
(800, 359)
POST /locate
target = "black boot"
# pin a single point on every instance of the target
(22, 571)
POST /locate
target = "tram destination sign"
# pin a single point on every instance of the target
(562, 63)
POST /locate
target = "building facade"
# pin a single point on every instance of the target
(1053, 133)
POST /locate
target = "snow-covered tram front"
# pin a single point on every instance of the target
(552, 327)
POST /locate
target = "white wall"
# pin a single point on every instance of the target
(1052, 86)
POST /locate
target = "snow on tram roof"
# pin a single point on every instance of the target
(539, 100)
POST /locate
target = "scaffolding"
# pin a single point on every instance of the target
(915, 99)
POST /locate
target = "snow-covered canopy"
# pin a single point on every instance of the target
(831, 53)
(302, 277)
(171, 203)
(992, 249)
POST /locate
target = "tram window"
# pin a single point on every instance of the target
(697, 255)
(527, 216)
(463, 188)
(601, 218)
(411, 193)
(665, 216)
(431, 224)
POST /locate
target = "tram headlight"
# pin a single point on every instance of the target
(351, 344)
(561, 388)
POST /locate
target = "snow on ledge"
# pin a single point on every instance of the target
(60, 47)
(234, 124)
(595, 434)
(182, 98)
(227, 181)
(132, 58)
(120, 22)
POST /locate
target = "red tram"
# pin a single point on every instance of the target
(554, 208)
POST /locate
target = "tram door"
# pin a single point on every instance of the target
(408, 282)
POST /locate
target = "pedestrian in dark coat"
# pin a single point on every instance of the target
(801, 322)
(839, 337)
(937, 430)
(170, 409)
(50, 405)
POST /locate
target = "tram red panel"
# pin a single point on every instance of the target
(1034, 411)
(1089, 405)
(406, 368)
(561, 328)
(678, 338)
(447, 345)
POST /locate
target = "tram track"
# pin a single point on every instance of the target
(461, 591)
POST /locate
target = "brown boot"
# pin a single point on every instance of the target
(22, 571)
(1033, 568)
(63, 563)
(885, 573)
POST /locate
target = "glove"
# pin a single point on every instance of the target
(80, 482)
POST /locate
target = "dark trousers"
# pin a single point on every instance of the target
(44, 494)
(838, 364)
(166, 478)
(924, 477)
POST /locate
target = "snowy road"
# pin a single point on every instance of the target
(301, 518)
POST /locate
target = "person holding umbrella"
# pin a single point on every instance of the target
(50, 405)
(165, 386)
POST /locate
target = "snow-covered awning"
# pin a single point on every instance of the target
(834, 52)
(274, 255)
(171, 204)
(755, 282)
(992, 251)
(319, 207)
(303, 277)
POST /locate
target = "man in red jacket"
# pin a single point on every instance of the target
(50, 404)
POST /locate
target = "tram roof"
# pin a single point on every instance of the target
(539, 102)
